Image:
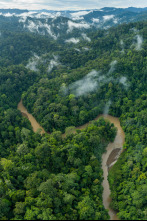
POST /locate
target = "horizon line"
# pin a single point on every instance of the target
(70, 9)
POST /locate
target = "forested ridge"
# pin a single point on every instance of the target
(49, 177)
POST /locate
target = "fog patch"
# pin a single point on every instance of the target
(53, 63)
(94, 81)
(76, 49)
(112, 67)
(87, 84)
(35, 14)
(86, 37)
(108, 17)
(48, 29)
(107, 27)
(95, 20)
(73, 40)
(115, 21)
(33, 62)
(139, 43)
(22, 19)
(122, 46)
(79, 15)
(39, 27)
(85, 48)
(107, 107)
(44, 15)
(124, 81)
(72, 25)
(32, 26)
(25, 15)
(78, 18)
(64, 89)
(134, 30)
(8, 14)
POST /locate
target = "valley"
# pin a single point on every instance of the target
(116, 145)
(73, 101)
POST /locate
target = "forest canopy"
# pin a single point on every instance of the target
(49, 177)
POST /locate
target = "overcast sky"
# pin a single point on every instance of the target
(70, 4)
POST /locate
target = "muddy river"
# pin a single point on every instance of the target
(35, 125)
(108, 159)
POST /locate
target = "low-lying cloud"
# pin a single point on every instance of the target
(107, 107)
(108, 17)
(85, 37)
(53, 63)
(95, 20)
(33, 62)
(87, 84)
(94, 81)
(123, 80)
(139, 43)
(112, 67)
(38, 26)
(73, 40)
(122, 46)
(72, 25)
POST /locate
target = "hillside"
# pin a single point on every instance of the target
(66, 77)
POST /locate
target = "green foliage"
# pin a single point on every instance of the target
(54, 178)
(52, 183)
(128, 177)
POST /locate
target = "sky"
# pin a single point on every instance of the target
(70, 4)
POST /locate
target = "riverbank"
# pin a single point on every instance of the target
(111, 155)
(35, 125)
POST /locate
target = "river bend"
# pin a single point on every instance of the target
(108, 158)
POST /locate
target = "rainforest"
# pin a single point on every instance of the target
(71, 94)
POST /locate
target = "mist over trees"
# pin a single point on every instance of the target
(49, 177)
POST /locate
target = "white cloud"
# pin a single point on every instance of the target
(72, 40)
(85, 85)
(107, 107)
(79, 15)
(108, 17)
(86, 37)
(78, 18)
(115, 21)
(123, 80)
(112, 67)
(94, 81)
(96, 20)
(76, 49)
(9, 15)
(72, 25)
(33, 62)
(34, 27)
(122, 46)
(85, 48)
(53, 63)
(139, 42)
(69, 4)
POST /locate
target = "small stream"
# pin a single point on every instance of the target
(108, 159)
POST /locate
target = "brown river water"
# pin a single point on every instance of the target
(35, 125)
(111, 155)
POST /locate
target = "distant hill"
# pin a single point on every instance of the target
(17, 11)
(58, 23)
